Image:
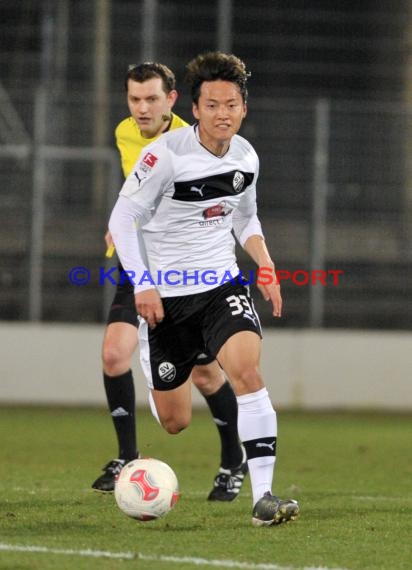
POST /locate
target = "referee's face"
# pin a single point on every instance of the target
(220, 111)
(150, 106)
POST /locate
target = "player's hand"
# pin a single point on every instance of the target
(271, 292)
(149, 306)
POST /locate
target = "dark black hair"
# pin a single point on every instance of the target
(215, 65)
(143, 71)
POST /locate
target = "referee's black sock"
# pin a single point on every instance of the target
(223, 405)
(121, 399)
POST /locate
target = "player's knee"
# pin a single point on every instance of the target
(207, 381)
(247, 379)
(175, 425)
(115, 359)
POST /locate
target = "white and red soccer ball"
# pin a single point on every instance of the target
(146, 489)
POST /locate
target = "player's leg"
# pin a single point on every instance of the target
(221, 400)
(173, 407)
(232, 331)
(119, 343)
(166, 357)
(240, 356)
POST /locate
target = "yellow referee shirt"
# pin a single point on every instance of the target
(130, 142)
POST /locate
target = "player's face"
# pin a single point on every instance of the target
(220, 111)
(149, 105)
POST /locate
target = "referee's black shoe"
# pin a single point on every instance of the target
(105, 483)
(228, 482)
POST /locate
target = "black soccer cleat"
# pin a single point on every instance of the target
(105, 483)
(228, 482)
(271, 510)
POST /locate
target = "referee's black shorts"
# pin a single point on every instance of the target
(194, 326)
(123, 308)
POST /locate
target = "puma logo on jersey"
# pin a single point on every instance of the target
(138, 178)
(271, 446)
(196, 189)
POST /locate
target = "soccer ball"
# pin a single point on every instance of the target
(146, 489)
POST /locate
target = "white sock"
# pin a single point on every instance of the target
(257, 420)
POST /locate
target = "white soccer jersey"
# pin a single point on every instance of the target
(186, 201)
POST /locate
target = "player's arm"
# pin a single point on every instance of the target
(267, 282)
(123, 224)
(139, 196)
(128, 151)
(245, 220)
(123, 227)
(248, 231)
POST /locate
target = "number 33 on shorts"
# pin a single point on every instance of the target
(243, 305)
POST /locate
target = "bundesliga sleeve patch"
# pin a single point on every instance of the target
(149, 159)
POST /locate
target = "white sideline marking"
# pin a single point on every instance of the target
(140, 556)
(45, 550)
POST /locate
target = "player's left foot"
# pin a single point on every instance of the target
(272, 510)
(228, 482)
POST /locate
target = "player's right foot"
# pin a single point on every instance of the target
(272, 510)
(105, 483)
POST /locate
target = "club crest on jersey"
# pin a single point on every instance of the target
(238, 181)
(166, 371)
(214, 211)
(149, 159)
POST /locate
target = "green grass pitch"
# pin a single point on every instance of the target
(351, 473)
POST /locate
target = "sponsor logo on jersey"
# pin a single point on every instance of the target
(149, 159)
(238, 181)
(167, 371)
(220, 209)
(213, 222)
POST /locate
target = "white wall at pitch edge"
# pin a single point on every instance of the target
(60, 364)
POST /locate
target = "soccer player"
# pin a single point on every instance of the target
(199, 184)
(151, 95)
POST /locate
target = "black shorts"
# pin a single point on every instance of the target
(194, 325)
(123, 308)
